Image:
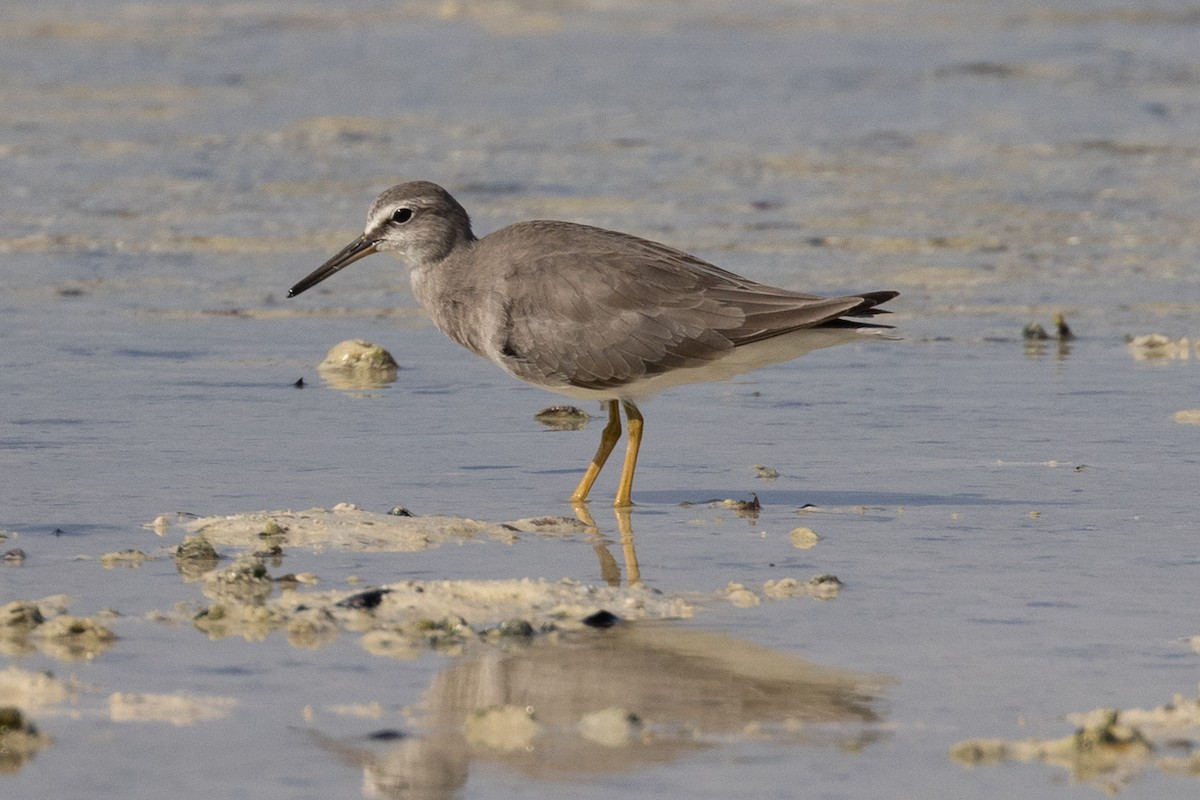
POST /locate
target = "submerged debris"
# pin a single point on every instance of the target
(514, 628)
(751, 506)
(1109, 747)
(1101, 750)
(28, 690)
(358, 354)
(246, 580)
(19, 616)
(1188, 416)
(358, 364)
(194, 557)
(804, 538)
(1034, 332)
(20, 740)
(29, 626)
(739, 595)
(71, 638)
(176, 709)
(364, 600)
(822, 587)
(123, 558)
(563, 418)
(748, 508)
(271, 538)
(162, 523)
(251, 622)
(1156, 347)
(346, 525)
(403, 620)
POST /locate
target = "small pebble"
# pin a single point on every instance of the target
(386, 735)
(1065, 334)
(516, 628)
(364, 600)
(601, 619)
(1034, 332)
(195, 548)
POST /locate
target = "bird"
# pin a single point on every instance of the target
(593, 313)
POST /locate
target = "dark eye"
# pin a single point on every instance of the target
(402, 215)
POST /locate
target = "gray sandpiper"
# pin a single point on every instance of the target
(593, 313)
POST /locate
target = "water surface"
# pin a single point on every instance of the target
(1014, 524)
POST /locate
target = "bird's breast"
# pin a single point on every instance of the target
(462, 309)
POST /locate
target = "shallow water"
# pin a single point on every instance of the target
(1014, 524)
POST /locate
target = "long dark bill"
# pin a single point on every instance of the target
(359, 248)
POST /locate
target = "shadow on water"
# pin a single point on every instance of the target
(610, 702)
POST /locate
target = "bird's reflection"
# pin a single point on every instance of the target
(610, 571)
(689, 691)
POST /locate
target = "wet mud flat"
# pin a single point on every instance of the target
(545, 678)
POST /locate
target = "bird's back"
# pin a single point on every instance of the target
(570, 306)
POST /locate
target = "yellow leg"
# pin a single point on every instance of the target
(608, 440)
(625, 488)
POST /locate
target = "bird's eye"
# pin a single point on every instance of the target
(402, 215)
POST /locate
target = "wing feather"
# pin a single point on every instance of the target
(596, 309)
